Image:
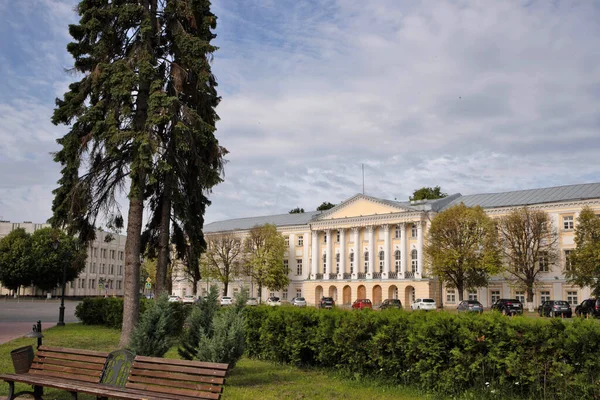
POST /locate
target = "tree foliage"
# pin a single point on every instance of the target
(462, 247)
(264, 249)
(585, 258)
(325, 206)
(15, 259)
(223, 258)
(529, 245)
(199, 320)
(297, 210)
(428, 193)
(152, 337)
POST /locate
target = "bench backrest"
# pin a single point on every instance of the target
(178, 378)
(72, 364)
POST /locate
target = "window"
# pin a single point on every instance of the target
(287, 240)
(93, 268)
(397, 260)
(414, 262)
(95, 252)
(568, 222)
(272, 294)
(473, 296)
(568, 260)
(413, 230)
(450, 296)
(120, 270)
(572, 298)
(286, 266)
(337, 263)
(520, 296)
(83, 283)
(300, 240)
(110, 284)
(299, 266)
(324, 263)
(72, 284)
(397, 232)
(111, 269)
(112, 254)
(337, 237)
(324, 237)
(381, 260)
(366, 261)
(543, 261)
(121, 255)
(78, 283)
(103, 269)
(351, 263)
(298, 292)
(544, 296)
(284, 294)
(104, 253)
(495, 296)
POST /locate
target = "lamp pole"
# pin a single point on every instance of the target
(61, 309)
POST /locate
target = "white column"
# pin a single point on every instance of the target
(402, 250)
(342, 253)
(305, 256)
(420, 248)
(328, 254)
(371, 231)
(386, 252)
(357, 258)
(314, 265)
(292, 257)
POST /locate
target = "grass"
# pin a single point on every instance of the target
(249, 380)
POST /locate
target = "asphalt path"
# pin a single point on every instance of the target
(18, 316)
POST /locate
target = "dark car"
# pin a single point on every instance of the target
(588, 307)
(470, 306)
(327, 302)
(508, 306)
(555, 308)
(391, 303)
(361, 304)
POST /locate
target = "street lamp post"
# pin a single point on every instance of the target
(61, 309)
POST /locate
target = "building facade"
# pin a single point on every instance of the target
(103, 273)
(367, 247)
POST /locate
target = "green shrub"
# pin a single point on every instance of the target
(227, 343)
(153, 336)
(108, 311)
(200, 320)
(488, 355)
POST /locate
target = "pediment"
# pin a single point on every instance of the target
(360, 206)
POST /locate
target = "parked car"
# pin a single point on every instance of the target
(508, 306)
(273, 301)
(423, 304)
(298, 302)
(470, 306)
(189, 299)
(390, 303)
(589, 307)
(327, 302)
(174, 299)
(226, 301)
(361, 304)
(555, 308)
(252, 301)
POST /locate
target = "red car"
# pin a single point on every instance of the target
(361, 304)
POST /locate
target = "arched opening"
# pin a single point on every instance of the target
(347, 293)
(393, 292)
(409, 296)
(377, 295)
(362, 292)
(333, 293)
(318, 294)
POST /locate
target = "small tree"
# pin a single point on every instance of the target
(264, 248)
(462, 247)
(296, 210)
(325, 206)
(152, 337)
(200, 320)
(528, 246)
(428, 193)
(585, 258)
(15, 260)
(221, 260)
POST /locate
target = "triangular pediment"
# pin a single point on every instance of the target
(360, 206)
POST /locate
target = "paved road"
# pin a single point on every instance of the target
(18, 316)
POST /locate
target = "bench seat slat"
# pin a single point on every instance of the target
(60, 368)
(184, 363)
(65, 363)
(82, 378)
(174, 368)
(42, 355)
(177, 376)
(80, 352)
(172, 391)
(176, 384)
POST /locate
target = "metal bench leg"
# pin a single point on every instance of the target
(11, 391)
(38, 392)
(73, 395)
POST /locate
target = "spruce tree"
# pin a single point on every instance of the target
(152, 335)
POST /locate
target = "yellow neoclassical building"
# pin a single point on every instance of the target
(367, 247)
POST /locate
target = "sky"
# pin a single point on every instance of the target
(473, 96)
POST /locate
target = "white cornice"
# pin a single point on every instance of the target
(544, 206)
(369, 220)
(354, 199)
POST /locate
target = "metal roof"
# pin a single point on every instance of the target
(530, 196)
(249, 223)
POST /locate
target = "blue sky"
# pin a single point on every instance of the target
(474, 96)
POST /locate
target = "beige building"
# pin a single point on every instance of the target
(367, 247)
(103, 273)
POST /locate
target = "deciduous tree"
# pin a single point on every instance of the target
(223, 258)
(585, 258)
(297, 210)
(428, 193)
(325, 206)
(462, 247)
(15, 260)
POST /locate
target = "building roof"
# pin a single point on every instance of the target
(530, 196)
(249, 223)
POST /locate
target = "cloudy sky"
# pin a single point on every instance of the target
(474, 96)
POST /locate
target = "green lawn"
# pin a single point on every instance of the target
(250, 379)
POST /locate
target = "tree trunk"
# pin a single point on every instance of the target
(164, 239)
(131, 292)
(225, 287)
(530, 305)
(460, 289)
(194, 287)
(259, 293)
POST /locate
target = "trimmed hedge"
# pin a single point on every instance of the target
(491, 354)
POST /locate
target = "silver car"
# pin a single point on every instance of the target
(299, 302)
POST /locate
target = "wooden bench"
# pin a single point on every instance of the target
(103, 375)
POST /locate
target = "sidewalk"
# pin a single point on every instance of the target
(14, 330)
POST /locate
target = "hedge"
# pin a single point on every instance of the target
(446, 353)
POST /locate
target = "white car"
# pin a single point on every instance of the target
(273, 301)
(299, 302)
(189, 299)
(174, 299)
(226, 301)
(423, 304)
(252, 301)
